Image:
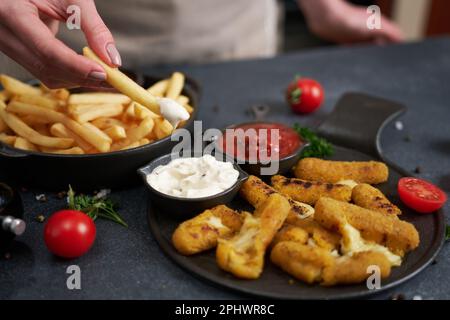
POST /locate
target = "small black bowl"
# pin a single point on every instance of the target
(284, 164)
(188, 206)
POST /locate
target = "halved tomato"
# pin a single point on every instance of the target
(420, 195)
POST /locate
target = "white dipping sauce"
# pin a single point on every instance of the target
(193, 177)
(172, 111)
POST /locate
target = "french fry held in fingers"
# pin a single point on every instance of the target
(124, 84)
(87, 112)
(23, 130)
(159, 88)
(60, 130)
(98, 98)
(175, 86)
(24, 144)
(5, 138)
(116, 132)
(92, 136)
(41, 101)
(17, 87)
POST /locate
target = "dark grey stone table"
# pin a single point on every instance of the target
(127, 263)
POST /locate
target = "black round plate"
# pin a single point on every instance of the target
(274, 283)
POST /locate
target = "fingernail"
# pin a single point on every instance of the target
(114, 54)
(97, 76)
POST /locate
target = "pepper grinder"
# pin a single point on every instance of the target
(11, 214)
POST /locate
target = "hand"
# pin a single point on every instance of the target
(27, 35)
(341, 22)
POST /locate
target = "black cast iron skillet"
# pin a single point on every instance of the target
(355, 124)
(92, 171)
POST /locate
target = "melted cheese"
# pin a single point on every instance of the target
(215, 222)
(352, 242)
(307, 210)
(247, 234)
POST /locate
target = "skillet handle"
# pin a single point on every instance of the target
(357, 121)
(8, 152)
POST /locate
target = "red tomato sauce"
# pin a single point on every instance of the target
(258, 140)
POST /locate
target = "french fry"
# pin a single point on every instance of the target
(3, 126)
(136, 134)
(17, 87)
(136, 144)
(41, 101)
(141, 112)
(104, 123)
(59, 94)
(183, 100)
(129, 114)
(159, 88)
(4, 95)
(87, 112)
(99, 132)
(7, 139)
(24, 144)
(42, 129)
(61, 131)
(93, 137)
(176, 84)
(98, 98)
(188, 108)
(74, 150)
(163, 128)
(33, 120)
(124, 84)
(23, 130)
(116, 132)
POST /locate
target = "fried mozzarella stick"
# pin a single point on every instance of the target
(256, 192)
(366, 196)
(243, 255)
(201, 232)
(398, 236)
(313, 264)
(314, 169)
(310, 191)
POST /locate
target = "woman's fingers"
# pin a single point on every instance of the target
(98, 35)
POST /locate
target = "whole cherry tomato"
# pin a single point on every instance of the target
(304, 95)
(69, 233)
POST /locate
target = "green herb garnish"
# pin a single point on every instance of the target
(94, 207)
(318, 147)
(447, 233)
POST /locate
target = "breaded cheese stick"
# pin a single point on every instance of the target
(313, 264)
(399, 236)
(291, 233)
(354, 269)
(301, 261)
(256, 192)
(243, 255)
(310, 191)
(366, 196)
(315, 169)
(201, 232)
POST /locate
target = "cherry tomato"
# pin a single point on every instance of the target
(304, 95)
(69, 233)
(420, 195)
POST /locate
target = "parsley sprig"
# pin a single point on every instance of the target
(318, 147)
(94, 207)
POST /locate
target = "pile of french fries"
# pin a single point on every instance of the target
(56, 121)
